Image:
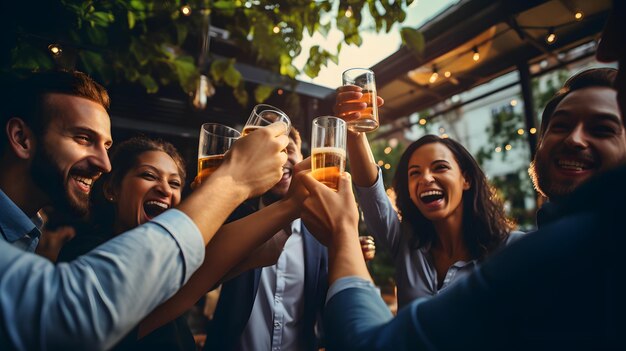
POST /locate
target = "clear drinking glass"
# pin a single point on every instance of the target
(263, 115)
(215, 140)
(363, 78)
(328, 150)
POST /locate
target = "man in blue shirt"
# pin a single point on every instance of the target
(558, 288)
(54, 141)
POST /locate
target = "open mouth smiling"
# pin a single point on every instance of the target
(153, 208)
(431, 196)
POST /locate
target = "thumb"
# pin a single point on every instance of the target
(277, 128)
(302, 165)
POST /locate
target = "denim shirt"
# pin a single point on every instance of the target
(416, 275)
(15, 227)
(93, 301)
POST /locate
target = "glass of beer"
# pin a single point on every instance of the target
(215, 140)
(263, 115)
(363, 78)
(328, 150)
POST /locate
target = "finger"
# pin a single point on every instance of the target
(277, 128)
(311, 184)
(348, 87)
(345, 184)
(283, 141)
(349, 107)
(380, 101)
(302, 165)
(348, 96)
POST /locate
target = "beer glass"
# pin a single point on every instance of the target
(215, 140)
(328, 150)
(363, 78)
(263, 115)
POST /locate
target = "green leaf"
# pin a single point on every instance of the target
(137, 5)
(131, 19)
(241, 94)
(186, 71)
(218, 67)
(232, 76)
(149, 83)
(262, 92)
(26, 56)
(224, 5)
(97, 36)
(413, 39)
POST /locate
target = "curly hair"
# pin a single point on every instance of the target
(123, 159)
(485, 224)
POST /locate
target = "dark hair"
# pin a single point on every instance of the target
(25, 97)
(294, 134)
(594, 77)
(123, 159)
(485, 224)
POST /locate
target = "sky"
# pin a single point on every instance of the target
(375, 47)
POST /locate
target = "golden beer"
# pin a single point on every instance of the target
(208, 165)
(249, 129)
(369, 116)
(327, 163)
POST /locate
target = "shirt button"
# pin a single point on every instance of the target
(276, 324)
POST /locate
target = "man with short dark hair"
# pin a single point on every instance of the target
(275, 307)
(56, 132)
(581, 134)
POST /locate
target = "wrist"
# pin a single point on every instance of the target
(223, 176)
(292, 207)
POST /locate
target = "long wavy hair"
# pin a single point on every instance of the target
(123, 159)
(485, 224)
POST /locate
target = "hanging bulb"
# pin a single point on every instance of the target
(276, 29)
(55, 50)
(204, 90)
(447, 74)
(476, 55)
(186, 10)
(551, 37)
(578, 15)
(433, 77)
(349, 12)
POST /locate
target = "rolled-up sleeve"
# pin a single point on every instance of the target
(93, 301)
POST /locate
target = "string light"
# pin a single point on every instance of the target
(442, 130)
(476, 55)
(276, 29)
(498, 149)
(444, 136)
(513, 102)
(508, 147)
(433, 78)
(280, 92)
(186, 10)
(381, 162)
(447, 74)
(532, 130)
(387, 150)
(387, 166)
(349, 12)
(520, 131)
(578, 15)
(422, 121)
(55, 49)
(551, 37)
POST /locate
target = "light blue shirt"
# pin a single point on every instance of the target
(93, 301)
(275, 319)
(15, 227)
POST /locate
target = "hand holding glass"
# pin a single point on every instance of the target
(215, 140)
(328, 150)
(263, 115)
(364, 79)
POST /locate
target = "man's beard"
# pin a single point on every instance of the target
(541, 181)
(49, 178)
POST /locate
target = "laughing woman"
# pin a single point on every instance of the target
(450, 216)
(146, 181)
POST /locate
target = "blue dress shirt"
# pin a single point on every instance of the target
(93, 301)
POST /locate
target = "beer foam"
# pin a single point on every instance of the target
(329, 149)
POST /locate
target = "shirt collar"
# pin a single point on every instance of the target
(14, 224)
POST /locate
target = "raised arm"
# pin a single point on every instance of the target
(230, 247)
(362, 163)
